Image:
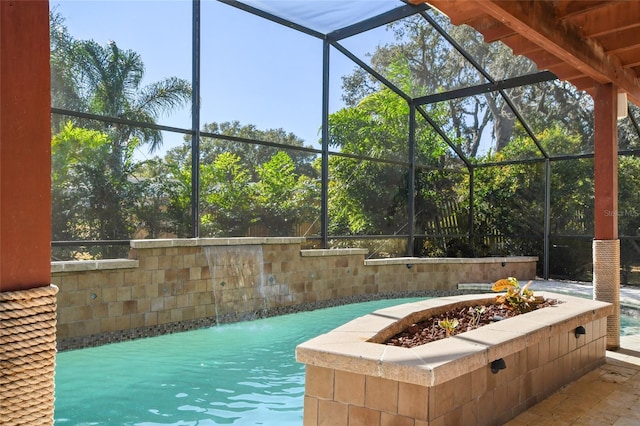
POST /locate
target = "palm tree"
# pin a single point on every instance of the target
(111, 84)
(64, 75)
(107, 80)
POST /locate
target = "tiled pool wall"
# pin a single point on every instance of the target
(350, 380)
(181, 284)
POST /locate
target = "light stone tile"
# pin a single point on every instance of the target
(331, 413)
(108, 295)
(349, 388)
(182, 301)
(150, 319)
(108, 324)
(310, 411)
(100, 310)
(176, 315)
(319, 382)
(164, 317)
(92, 326)
(138, 292)
(123, 322)
(413, 401)
(137, 320)
(195, 273)
(381, 394)
(362, 416)
(388, 419)
(462, 390)
(77, 329)
(170, 302)
(114, 309)
(189, 261)
(149, 263)
(123, 293)
(157, 304)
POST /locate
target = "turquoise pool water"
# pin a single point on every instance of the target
(240, 374)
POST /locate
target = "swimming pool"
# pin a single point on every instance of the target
(240, 374)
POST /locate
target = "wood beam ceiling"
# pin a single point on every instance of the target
(582, 41)
(538, 22)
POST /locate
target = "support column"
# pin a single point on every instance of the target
(27, 300)
(606, 245)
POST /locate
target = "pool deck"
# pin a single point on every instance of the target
(609, 395)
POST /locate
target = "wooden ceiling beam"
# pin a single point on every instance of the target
(584, 83)
(545, 60)
(616, 16)
(537, 21)
(567, 72)
(463, 12)
(630, 58)
(621, 40)
(490, 29)
(572, 9)
(520, 45)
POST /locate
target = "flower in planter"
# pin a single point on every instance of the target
(449, 325)
(476, 315)
(516, 298)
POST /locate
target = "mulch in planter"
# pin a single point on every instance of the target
(469, 318)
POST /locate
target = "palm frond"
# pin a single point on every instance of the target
(162, 96)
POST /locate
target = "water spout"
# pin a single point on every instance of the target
(237, 274)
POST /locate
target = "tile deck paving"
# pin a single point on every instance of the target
(609, 395)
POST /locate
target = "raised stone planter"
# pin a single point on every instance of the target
(353, 379)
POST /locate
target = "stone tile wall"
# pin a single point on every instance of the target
(179, 284)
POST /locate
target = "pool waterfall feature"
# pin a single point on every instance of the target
(484, 376)
(238, 269)
(182, 284)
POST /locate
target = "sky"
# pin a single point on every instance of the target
(253, 70)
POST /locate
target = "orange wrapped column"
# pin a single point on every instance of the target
(606, 245)
(25, 145)
(27, 300)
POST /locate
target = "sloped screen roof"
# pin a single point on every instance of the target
(581, 42)
(323, 16)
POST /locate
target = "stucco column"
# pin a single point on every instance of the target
(27, 300)
(606, 245)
